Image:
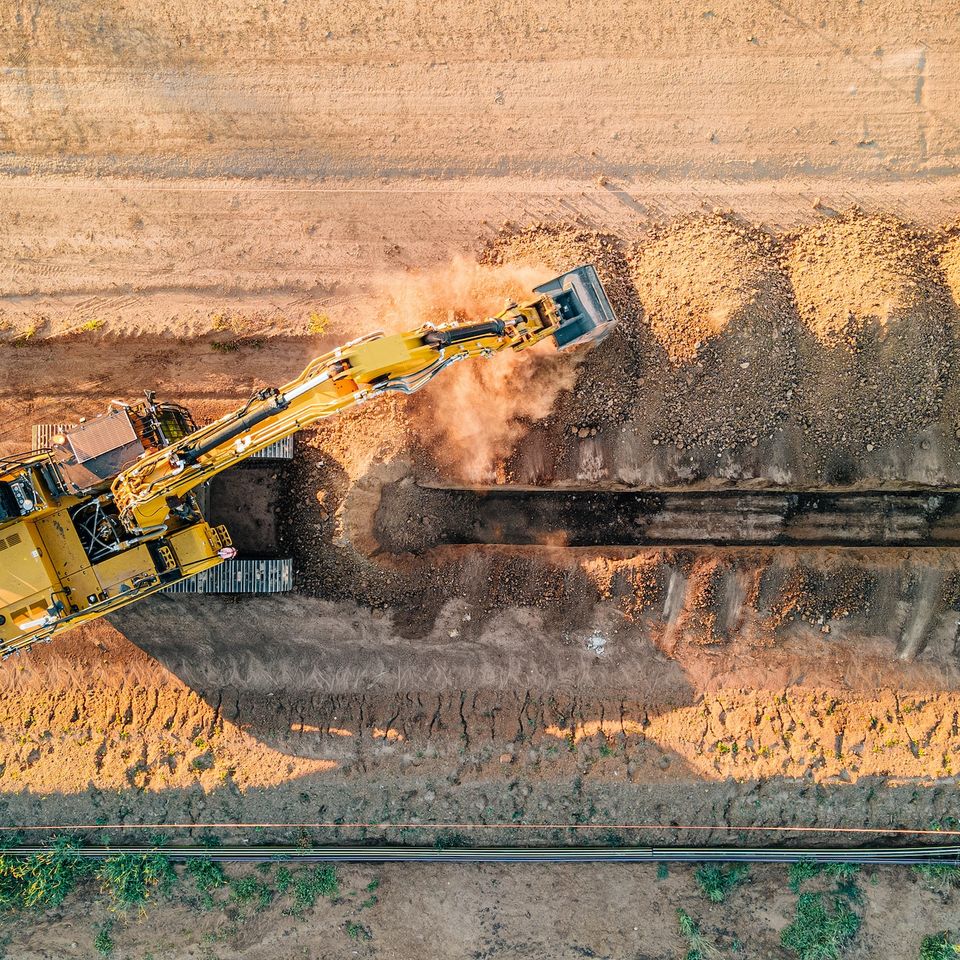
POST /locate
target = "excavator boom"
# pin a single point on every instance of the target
(108, 515)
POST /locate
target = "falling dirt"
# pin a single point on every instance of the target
(485, 410)
(470, 425)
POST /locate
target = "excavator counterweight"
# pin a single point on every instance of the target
(108, 513)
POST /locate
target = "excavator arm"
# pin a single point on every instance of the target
(572, 309)
(105, 515)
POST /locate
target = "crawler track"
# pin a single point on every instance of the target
(728, 518)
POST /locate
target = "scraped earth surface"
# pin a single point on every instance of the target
(198, 199)
(443, 911)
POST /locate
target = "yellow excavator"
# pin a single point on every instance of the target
(108, 512)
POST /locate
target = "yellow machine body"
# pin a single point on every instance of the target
(107, 515)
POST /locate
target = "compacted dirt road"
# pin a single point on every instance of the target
(196, 198)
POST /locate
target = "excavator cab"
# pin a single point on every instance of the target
(585, 312)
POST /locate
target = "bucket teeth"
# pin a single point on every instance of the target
(585, 312)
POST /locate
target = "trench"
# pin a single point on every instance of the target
(413, 518)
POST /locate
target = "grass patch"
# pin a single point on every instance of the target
(939, 946)
(698, 946)
(803, 870)
(800, 871)
(284, 879)
(815, 933)
(208, 875)
(938, 877)
(718, 880)
(309, 885)
(247, 890)
(131, 879)
(44, 879)
(103, 941)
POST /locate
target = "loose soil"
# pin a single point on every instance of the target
(198, 198)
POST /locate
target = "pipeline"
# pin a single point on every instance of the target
(891, 856)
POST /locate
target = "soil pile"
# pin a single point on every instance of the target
(696, 275)
(859, 271)
(717, 302)
(950, 263)
(877, 324)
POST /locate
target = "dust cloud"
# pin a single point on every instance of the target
(477, 411)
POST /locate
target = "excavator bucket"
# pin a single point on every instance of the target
(585, 312)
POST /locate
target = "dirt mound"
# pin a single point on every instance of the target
(858, 271)
(696, 275)
(719, 305)
(878, 320)
(950, 262)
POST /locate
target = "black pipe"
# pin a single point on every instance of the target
(890, 856)
(447, 338)
(241, 425)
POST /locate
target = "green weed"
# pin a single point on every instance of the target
(44, 879)
(816, 934)
(208, 875)
(284, 879)
(843, 873)
(699, 947)
(131, 879)
(25, 336)
(103, 941)
(800, 871)
(939, 877)
(939, 946)
(717, 880)
(309, 885)
(848, 889)
(357, 931)
(246, 890)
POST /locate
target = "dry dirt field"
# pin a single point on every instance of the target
(195, 198)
